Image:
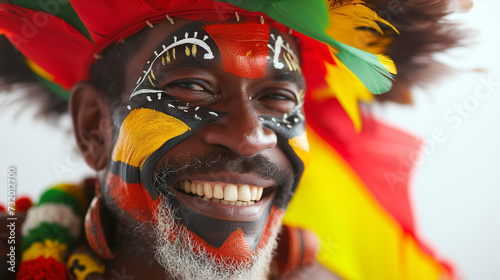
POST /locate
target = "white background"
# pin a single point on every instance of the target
(455, 189)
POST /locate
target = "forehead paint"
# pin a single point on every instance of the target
(243, 47)
(289, 56)
(188, 45)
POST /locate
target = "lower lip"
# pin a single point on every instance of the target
(226, 212)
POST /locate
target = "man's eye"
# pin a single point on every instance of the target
(190, 90)
(191, 86)
(279, 97)
(277, 103)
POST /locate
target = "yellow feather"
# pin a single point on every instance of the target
(347, 88)
(39, 70)
(388, 63)
(356, 25)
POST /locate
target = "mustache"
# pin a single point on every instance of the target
(215, 163)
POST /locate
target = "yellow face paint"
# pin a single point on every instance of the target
(148, 127)
(300, 146)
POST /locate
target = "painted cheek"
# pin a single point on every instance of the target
(142, 132)
(243, 47)
(133, 198)
(300, 146)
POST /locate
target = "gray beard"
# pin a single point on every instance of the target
(176, 254)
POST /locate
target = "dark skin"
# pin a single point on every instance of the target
(241, 134)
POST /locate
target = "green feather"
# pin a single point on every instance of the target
(60, 8)
(311, 18)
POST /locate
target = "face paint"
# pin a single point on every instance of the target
(243, 47)
(159, 116)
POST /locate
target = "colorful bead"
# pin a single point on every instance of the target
(60, 197)
(53, 213)
(47, 249)
(42, 268)
(81, 265)
(47, 230)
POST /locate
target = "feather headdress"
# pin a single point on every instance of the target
(61, 40)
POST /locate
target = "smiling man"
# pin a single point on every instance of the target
(192, 114)
(203, 144)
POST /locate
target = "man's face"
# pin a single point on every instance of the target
(210, 138)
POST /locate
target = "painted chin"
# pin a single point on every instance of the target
(229, 221)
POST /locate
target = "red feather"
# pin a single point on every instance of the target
(113, 20)
(47, 40)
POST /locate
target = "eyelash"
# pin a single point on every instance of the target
(183, 83)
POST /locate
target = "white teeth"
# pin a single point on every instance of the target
(230, 192)
(244, 193)
(208, 190)
(193, 188)
(253, 193)
(187, 187)
(259, 193)
(218, 193)
(199, 189)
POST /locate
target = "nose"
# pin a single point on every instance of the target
(240, 131)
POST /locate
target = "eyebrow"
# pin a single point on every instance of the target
(289, 76)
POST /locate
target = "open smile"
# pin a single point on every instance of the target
(225, 201)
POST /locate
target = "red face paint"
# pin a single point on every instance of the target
(243, 47)
(235, 247)
(133, 198)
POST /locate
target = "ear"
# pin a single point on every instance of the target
(91, 115)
